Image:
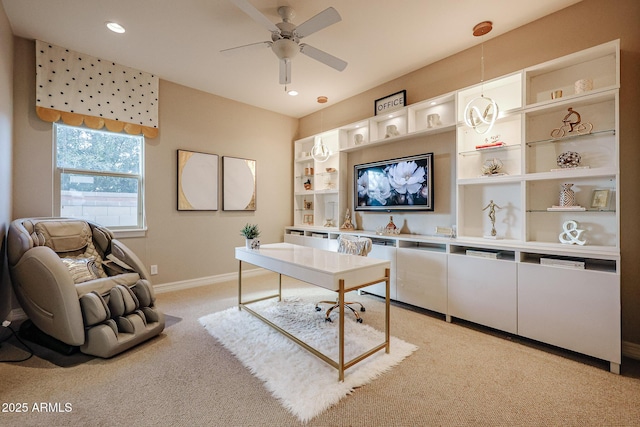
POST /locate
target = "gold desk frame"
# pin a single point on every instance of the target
(341, 365)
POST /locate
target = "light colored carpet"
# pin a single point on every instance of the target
(303, 383)
(461, 375)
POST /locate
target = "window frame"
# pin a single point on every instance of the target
(120, 231)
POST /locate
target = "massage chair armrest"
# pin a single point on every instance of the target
(124, 254)
(46, 290)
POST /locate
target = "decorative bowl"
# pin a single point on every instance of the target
(569, 159)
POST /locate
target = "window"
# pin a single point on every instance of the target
(99, 176)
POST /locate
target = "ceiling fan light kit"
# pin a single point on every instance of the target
(285, 37)
(481, 112)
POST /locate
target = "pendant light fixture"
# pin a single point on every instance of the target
(481, 112)
(320, 152)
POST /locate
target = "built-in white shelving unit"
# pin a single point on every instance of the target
(319, 196)
(524, 280)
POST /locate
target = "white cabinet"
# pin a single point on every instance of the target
(567, 108)
(421, 275)
(384, 249)
(575, 309)
(483, 291)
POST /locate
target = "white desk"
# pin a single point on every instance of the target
(331, 270)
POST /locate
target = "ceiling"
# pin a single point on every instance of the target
(180, 41)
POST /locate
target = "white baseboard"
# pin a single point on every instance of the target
(209, 280)
(631, 350)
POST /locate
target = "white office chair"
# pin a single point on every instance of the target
(353, 245)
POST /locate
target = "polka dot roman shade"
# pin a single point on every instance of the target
(78, 88)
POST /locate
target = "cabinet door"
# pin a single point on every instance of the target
(294, 239)
(316, 242)
(574, 309)
(483, 291)
(387, 253)
(421, 277)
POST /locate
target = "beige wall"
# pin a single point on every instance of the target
(6, 129)
(184, 245)
(585, 24)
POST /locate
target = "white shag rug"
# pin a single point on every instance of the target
(304, 384)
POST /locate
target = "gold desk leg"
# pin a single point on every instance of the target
(387, 334)
(239, 284)
(341, 332)
(279, 287)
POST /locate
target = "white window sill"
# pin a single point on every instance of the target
(129, 233)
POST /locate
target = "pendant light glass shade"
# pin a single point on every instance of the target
(320, 152)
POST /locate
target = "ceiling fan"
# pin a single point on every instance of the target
(285, 37)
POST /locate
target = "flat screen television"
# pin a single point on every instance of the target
(403, 184)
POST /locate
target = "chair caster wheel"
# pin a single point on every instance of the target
(327, 319)
(359, 320)
(362, 309)
(318, 309)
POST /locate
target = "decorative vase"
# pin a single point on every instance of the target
(567, 195)
(249, 243)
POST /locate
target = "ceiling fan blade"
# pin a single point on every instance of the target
(285, 71)
(246, 48)
(327, 17)
(255, 14)
(323, 57)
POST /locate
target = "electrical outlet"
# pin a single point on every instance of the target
(154, 269)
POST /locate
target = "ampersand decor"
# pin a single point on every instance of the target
(571, 234)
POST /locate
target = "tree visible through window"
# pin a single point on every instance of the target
(99, 175)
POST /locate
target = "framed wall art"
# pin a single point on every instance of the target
(238, 184)
(197, 181)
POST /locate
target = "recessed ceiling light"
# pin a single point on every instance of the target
(115, 27)
(433, 102)
(293, 92)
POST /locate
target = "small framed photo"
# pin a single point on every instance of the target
(600, 199)
(307, 219)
